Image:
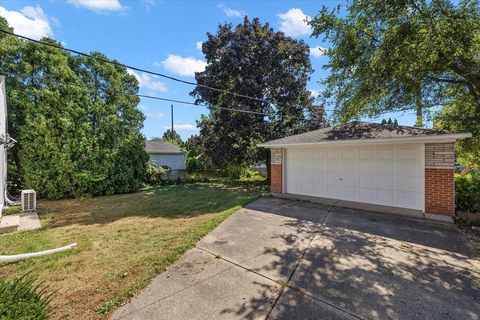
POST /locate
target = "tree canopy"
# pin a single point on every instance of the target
(400, 55)
(251, 59)
(75, 120)
(172, 137)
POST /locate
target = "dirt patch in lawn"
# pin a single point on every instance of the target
(123, 242)
(473, 236)
(469, 222)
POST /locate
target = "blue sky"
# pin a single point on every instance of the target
(162, 36)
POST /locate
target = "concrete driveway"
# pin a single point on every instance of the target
(282, 259)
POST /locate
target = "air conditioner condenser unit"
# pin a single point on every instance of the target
(29, 200)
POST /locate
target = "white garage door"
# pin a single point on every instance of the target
(390, 175)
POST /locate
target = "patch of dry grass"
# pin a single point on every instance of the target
(123, 242)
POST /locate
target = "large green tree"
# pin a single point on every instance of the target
(172, 137)
(400, 55)
(114, 123)
(253, 60)
(75, 120)
(462, 115)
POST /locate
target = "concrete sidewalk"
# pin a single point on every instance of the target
(281, 259)
(19, 222)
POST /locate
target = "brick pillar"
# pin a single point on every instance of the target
(439, 191)
(276, 170)
(439, 178)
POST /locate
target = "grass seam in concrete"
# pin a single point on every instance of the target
(240, 266)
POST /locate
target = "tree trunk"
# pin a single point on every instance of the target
(419, 107)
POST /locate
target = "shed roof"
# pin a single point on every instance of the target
(162, 147)
(364, 132)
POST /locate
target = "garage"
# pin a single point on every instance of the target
(395, 168)
(385, 175)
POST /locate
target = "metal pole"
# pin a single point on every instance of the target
(171, 112)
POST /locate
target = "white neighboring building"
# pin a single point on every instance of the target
(166, 154)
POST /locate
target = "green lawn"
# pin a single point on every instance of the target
(123, 242)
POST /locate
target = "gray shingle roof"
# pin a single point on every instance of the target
(355, 131)
(162, 147)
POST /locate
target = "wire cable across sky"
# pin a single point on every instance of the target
(201, 105)
(133, 68)
(188, 103)
(80, 53)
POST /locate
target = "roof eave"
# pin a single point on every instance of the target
(450, 137)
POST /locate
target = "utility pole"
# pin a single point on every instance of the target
(171, 113)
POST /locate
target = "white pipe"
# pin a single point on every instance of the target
(24, 256)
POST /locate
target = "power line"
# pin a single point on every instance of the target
(198, 104)
(226, 108)
(164, 76)
(133, 68)
(155, 74)
(174, 100)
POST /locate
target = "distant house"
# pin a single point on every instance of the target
(166, 154)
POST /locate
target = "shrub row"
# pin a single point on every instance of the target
(467, 188)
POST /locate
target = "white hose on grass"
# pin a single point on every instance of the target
(23, 256)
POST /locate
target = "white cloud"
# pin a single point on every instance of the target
(314, 93)
(182, 127)
(183, 66)
(30, 22)
(153, 115)
(198, 45)
(149, 114)
(318, 51)
(98, 5)
(293, 23)
(147, 81)
(232, 13)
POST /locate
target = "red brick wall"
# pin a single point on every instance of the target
(276, 178)
(439, 191)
